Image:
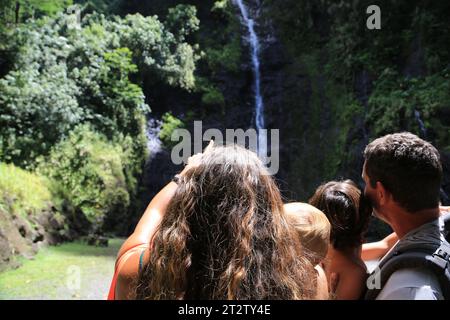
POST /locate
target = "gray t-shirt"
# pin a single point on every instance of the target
(414, 283)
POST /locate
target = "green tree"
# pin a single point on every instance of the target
(66, 74)
(89, 172)
(182, 21)
(17, 11)
(170, 124)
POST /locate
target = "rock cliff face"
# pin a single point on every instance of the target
(295, 101)
(298, 104)
(318, 141)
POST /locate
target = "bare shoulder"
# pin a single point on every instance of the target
(128, 272)
(352, 279)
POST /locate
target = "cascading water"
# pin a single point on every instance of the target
(419, 120)
(259, 103)
(154, 144)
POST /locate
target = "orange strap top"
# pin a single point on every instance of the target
(119, 264)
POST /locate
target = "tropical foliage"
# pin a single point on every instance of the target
(71, 98)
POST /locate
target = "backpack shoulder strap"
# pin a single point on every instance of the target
(434, 257)
(382, 273)
(440, 261)
(437, 261)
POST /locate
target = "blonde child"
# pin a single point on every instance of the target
(313, 228)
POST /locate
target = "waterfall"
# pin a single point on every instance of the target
(154, 144)
(259, 103)
(419, 120)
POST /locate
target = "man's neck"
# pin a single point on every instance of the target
(403, 222)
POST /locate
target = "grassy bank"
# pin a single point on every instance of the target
(70, 271)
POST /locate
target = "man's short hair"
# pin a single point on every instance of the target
(408, 167)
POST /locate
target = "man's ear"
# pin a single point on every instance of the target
(383, 195)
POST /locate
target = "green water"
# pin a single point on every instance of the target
(72, 271)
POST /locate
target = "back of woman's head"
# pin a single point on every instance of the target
(347, 210)
(224, 236)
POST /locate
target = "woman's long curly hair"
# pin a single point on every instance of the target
(225, 236)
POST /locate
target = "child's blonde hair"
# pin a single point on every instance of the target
(312, 227)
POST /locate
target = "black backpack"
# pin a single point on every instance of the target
(435, 258)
